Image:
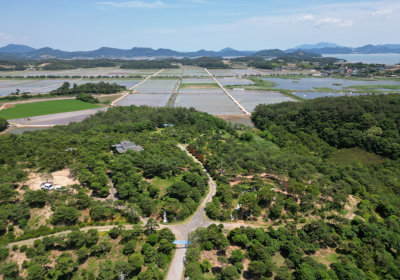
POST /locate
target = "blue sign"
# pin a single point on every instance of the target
(181, 242)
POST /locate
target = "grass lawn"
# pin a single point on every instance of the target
(45, 108)
(344, 157)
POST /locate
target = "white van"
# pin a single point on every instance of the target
(47, 186)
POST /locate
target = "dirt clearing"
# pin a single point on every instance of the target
(62, 178)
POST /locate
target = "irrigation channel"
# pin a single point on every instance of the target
(229, 95)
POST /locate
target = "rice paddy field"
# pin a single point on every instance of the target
(198, 81)
(249, 99)
(45, 108)
(212, 103)
(201, 90)
(195, 72)
(147, 72)
(234, 81)
(243, 72)
(58, 118)
(221, 72)
(171, 72)
(157, 86)
(32, 86)
(149, 99)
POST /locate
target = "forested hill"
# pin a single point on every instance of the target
(369, 122)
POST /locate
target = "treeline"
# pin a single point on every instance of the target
(15, 65)
(146, 64)
(92, 88)
(57, 64)
(370, 122)
(204, 62)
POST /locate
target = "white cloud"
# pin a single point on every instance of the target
(134, 4)
(306, 18)
(386, 12)
(333, 22)
(4, 36)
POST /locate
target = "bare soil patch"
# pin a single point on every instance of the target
(8, 106)
(62, 178)
(351, 208)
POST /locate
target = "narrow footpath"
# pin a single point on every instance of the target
(114, 103)
(230, 96)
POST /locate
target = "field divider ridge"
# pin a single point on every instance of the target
(227, 93)
(127, 93)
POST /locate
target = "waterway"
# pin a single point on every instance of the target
(390, 59)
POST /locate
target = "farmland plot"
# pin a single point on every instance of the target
(249, 99)
(157, 86)
(243, 72)
(234, 81)
(149, 99)
(212, 103)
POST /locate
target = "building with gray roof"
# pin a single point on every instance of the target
(125, 145)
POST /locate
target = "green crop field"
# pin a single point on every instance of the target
(45, 108)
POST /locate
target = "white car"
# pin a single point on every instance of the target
(47, 186)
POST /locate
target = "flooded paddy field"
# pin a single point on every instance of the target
(33, 86)
(243, 72)
(212, 103)
(146, 72)
(201, 90)
(312, 95)
(149, 99)
(234, 81)
(195, 72)
(59, 118)
(249, 99)
(221, 72)
(311, 83)
(198, 81)
(157, 86)
(121, 73)
(171, 72)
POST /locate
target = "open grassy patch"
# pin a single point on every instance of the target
(326, 256)
(109, 97)
(45, 108)
(344, 157)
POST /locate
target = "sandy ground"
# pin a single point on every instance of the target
(352, 207)
(63, 178)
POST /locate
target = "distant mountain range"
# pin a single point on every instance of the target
(330, 48)
(315, 46)
(17, 52)
(24, 52)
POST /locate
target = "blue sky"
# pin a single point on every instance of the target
(189, 25)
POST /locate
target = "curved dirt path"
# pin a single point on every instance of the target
(181, 231)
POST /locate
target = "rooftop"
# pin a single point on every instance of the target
(125, 145)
